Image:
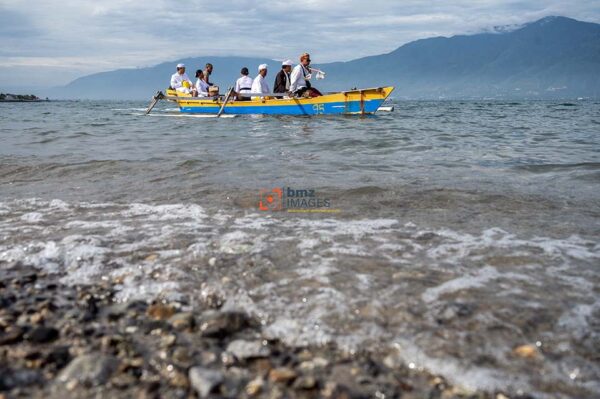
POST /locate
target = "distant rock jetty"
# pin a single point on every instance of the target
(6, 97)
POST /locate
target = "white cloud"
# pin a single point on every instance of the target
(88, 36)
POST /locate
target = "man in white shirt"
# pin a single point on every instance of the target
(180, 80)
(301, 75)
(260, 84)
(243, 84)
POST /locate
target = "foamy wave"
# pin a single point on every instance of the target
(354, 282)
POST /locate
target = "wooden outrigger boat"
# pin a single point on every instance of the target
(362, 101)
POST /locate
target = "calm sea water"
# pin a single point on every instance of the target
(466, 229)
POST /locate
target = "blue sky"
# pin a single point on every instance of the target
(50, 42)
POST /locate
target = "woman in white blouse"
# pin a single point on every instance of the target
(201, 85)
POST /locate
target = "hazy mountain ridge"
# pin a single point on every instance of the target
(550, 58)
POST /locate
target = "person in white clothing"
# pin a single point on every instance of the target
(243, 84)
(180, 80)
(260, 84)
(301, 75)
(201, 85)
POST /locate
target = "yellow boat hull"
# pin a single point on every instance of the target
(364, 101)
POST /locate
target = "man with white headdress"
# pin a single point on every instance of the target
(283, 80)
(259, 85)
(180, 80)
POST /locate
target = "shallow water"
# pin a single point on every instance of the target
(465, 229)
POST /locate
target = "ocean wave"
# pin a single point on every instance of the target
(354, 282)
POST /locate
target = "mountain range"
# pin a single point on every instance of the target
(554, 57)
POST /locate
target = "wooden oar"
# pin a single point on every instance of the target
(225, 102)
(159, 95)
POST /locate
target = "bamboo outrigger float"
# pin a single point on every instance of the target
(362, 101)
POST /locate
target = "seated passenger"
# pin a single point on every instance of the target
(282, 80)
(301, 76)
(201, 85)
(243, 84)
(259, 85)
(180, 80)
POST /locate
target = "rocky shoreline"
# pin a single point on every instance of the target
(64, 341)
(19, 98)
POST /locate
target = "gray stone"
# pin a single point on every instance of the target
(305, 382)
(393, 360)
(204, 380)
(317, 363)
(242, 349)
(10, 379)
(116, 311)
(221, 324)
(350, 381)
(42, 334)
(90, 369)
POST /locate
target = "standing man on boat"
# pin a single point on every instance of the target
(260, 84)
(301, 76)
(283, 79)
(207, 72)
(180, 80)
(243, 84)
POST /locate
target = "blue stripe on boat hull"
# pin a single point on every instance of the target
(351, 107)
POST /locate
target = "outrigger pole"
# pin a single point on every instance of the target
(159, 96)
(225, 102)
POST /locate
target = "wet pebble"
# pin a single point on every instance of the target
(211, 297)
(305, 382)
(117, 311)
(12, 335)
(168, 340)
(526, 351)
(10, 379)
(243, 350)
(221, 324)
(454, 310)
(204, 380)
(182, 321)
(160, 311)
(91, 369)
(282, 375)
(42, 334)
(123, 380)
(314, 364)
(254, 387)
(178, 379)
(59, 356)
